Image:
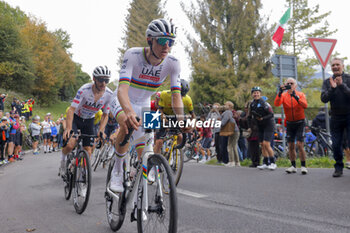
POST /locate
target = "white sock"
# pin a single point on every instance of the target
(118, 165)
(63, 157)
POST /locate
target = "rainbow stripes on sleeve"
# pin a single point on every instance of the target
(175, 89)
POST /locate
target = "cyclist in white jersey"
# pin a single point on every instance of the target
(142, 72)
(90, 98)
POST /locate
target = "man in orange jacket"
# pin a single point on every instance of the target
(294, 103)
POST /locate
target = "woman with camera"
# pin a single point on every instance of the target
(294, 104)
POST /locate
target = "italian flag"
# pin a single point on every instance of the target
(278, 35)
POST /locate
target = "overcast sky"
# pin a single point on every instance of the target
(95, 26)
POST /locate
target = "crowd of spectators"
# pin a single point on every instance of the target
(13, 130)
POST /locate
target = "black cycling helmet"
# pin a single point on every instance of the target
(256, 89)
(185, 87)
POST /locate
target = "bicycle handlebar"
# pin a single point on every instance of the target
(127, 136)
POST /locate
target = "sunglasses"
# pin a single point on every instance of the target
(163, 41)
(290, 83)
(106, 80)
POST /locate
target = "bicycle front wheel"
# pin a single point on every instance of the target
(68, 179)
(177, 163)
(161, 213)
(82, 181)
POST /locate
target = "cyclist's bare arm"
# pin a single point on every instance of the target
(123, 97)
(178, 107)
(103, 123)
(69, 122)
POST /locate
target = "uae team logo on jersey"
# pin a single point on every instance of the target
(151, 120)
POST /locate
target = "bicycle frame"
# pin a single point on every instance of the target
(132, 198)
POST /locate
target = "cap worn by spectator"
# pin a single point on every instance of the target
(16, 116)
(4, 119)
(48, 114)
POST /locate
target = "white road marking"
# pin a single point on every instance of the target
(189, 193)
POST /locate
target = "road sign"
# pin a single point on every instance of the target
(323, 49)
(286, 66)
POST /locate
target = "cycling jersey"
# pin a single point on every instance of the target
(144, 79)
(84, 102)
(165, 103)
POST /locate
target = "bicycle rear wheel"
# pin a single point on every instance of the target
(161, 213)
(96, 158)
(82, 182)
(115, 208)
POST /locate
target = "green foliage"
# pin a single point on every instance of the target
(318, 162)
(16, 67)
(140, 14)
(35, 61)
(232, 52)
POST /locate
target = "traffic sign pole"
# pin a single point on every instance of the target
(323, 49)
(326, 105)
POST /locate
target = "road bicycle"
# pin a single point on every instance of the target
(173, 152)
(278, 148)
(191, 147)
(322, 145)
(28, 140)
(102, 153)
(153, 210)
(77, 177)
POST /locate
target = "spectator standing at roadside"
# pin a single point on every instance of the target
(230, 134)
(53, 137)
(215, 115)
(294, 104)
(262, 112)
(242, 141)
(2, 101)
(12, 137)
(34, 129)
(205, 139)
(30, 105)
(252, 137)
(14, 104)
(46, 126)
(3, 130)
(336, 90)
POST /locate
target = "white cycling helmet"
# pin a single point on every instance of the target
(101, 71)
(161, 28)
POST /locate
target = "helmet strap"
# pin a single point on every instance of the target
(150, 46)
(96, 86)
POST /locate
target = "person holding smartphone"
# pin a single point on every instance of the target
(294, 104)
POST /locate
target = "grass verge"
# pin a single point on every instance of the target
(316, 162)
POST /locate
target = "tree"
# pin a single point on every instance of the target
(232, 52)
(63, 38)
(16, 67)
(140, 14)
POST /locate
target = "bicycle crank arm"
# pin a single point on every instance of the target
(110, 192)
